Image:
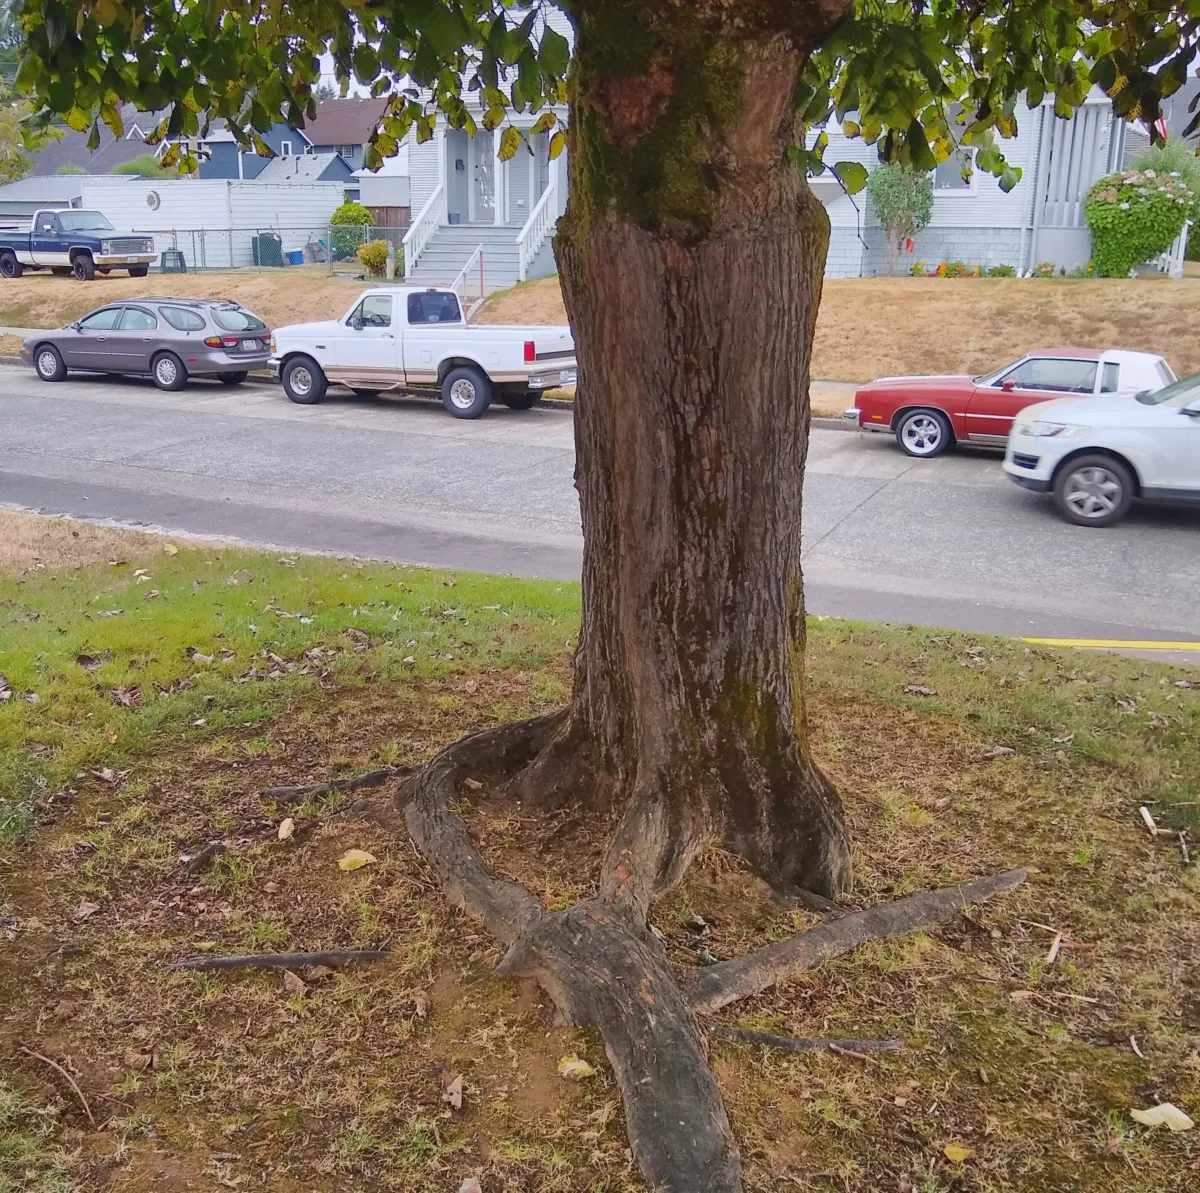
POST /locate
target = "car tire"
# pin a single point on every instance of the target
(525, 401)
(138, 271)
(168, 372)
(48, 363)
(466, 392)
(924, 433)
(83, 267)
(10, 267)
(233, 378)
(1094, 490)
(303, 380)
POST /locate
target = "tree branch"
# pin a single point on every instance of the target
(332, 957)
(729, 981)
(372, 778)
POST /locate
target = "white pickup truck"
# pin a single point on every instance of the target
(399, 338)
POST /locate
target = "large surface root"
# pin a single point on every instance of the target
(604, 969)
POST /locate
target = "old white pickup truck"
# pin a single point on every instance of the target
(398, 338)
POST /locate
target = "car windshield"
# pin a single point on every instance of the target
(996, 374)
(83, 221)
(235, 319)
(1178, 393)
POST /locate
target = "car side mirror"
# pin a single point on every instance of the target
(357, 323)
(1008, 386)
(1192, 411)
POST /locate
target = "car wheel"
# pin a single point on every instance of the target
(10, 267)
(466, 392)
(168, 371)
(49, 363)
(233, 378)
(924, 433)
(138, 271)
(83, 267)
(522, 401)
(1094, 490)
(303, 380)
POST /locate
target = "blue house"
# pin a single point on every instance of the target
(222, 157)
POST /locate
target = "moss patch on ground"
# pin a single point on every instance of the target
(198, 1080)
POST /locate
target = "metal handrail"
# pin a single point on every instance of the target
(459, 285)
(423, 227)
(537, 227)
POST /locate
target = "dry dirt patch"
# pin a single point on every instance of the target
(35, 543)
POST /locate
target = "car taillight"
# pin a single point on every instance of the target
(530, 352)
(212, 342)
(272, 343)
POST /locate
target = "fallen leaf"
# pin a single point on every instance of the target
(470, 1185)
(110, 612)
(5, 690)
(956, 1153)
(1166, 1114)
(106, 775)
(31, 697)
(140, 572)
(997, 752)
(421, 1004)
(84, 911)
(355, 859)
(916, 689)
(170, 549)
(287, 827)
(453, 1093)
(575, 1069)
(138, 1060)
(150, 595)
(293, 983)
(317, 973)
(129, 697)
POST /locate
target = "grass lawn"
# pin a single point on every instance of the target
(160, 719)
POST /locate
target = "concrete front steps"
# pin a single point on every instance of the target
(452, 245)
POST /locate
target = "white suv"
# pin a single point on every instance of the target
(1098, 454)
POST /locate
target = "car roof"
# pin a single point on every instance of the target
(1116, 354)
(187, 302)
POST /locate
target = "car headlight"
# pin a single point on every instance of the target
(106, 247)
(1044, 430)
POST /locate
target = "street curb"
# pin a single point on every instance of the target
(819, 424)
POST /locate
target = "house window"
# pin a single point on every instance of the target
(346, 150)
(948, 177)
(285, 149)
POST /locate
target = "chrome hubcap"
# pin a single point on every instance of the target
(1093, 492)
(302, 381)
(166, 371)
(462, 394)
(47, 364)
(922, 434)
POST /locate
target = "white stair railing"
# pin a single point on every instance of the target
(538, 226)
(469, 285)
(1171, 262)
(428, 220)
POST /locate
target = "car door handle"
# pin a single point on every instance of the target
(101, 339)
(387, 335)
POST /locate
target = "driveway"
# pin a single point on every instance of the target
(946, 542)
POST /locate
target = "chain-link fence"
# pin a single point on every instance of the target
(324, 249)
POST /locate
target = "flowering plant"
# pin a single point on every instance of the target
(1134, 215)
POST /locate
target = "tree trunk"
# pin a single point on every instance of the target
(692, 254)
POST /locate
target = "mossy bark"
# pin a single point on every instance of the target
(692, 254)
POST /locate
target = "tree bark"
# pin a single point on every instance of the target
(692, 254)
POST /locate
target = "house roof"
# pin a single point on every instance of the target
(299, 167)
(40, 189)
(349, 121)
(72, 150)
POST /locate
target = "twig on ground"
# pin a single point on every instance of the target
(1134, 1045)
(372, 778)
(1055, 947)
(197, 863)
(803, 1043)
(70, 1080)
(333, 958)
(1183, 849)
(848, 1052)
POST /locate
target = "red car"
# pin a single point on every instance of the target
(930, 414)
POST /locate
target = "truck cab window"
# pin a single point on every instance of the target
(104, 320)
(433, 308)
(375, 310)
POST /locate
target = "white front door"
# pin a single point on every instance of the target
(481, 167)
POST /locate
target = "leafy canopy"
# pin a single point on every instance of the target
(894, 71)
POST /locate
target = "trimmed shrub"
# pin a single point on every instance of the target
(374, 256)
(1134, 215)
(902, 200)
(1002, 271)
(347, 235)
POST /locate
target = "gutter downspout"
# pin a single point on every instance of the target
(1035, 219)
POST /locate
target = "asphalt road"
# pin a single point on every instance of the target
(947, 542)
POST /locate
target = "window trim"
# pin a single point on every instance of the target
(183, 311)
(285, 149)
(119, 308)
(960, 192)
(1041, 389)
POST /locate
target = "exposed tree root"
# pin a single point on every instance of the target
(372, 778)
(603, 968)
(334, 958)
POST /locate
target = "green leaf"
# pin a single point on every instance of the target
(558, 143)
(851, 128)
(366, 63)
(77, 119)
(555, 54)
(111, 115)
(1009, 178)
(493, 118)
(852, 175)
(510, 142)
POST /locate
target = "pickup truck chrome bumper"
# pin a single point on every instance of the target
(119, 259)
(555, 377)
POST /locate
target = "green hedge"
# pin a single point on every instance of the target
(1134, 215)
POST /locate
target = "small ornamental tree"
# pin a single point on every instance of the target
(1134, 215)
(347, 222)
(691, 254)
(902, 200)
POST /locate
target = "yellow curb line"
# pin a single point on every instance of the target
(1113, 643)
